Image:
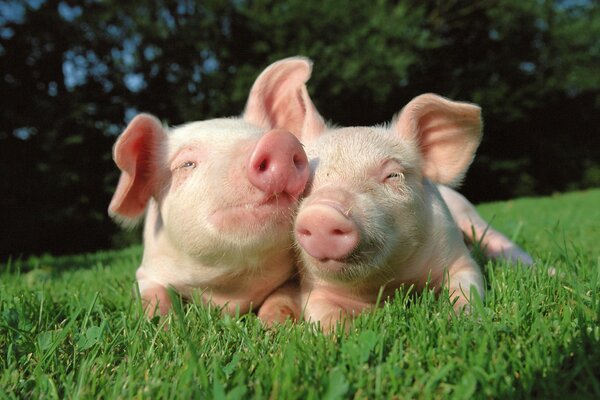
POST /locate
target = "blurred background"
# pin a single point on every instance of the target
(73, 73)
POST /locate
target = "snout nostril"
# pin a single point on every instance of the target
(304, 232)
(298, 162)
(263, 165)
(338, 232)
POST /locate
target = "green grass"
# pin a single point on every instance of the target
(70, 328)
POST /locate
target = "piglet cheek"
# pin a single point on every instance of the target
(179, 177)
(184, 206)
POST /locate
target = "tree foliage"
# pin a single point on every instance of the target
(73, 73)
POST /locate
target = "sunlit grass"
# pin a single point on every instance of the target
(71, 328)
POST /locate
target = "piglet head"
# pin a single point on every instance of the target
(222, 186)
(216, 183)
(368, 210)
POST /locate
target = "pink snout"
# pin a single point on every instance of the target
(279, 164)
(325, 233)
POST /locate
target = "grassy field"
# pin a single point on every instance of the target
(70, 329)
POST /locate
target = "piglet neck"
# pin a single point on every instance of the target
(238, 286)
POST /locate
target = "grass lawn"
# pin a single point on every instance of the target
(69, 328)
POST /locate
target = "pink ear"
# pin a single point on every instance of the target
(447, 132)
(279, 99)
(134, 154)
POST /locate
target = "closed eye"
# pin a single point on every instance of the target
(395, 179)
(187, 159)
(187, 165)
(391, 171)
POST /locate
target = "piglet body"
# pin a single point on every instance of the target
(374, 219)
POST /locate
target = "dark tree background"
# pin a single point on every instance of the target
(73, 73)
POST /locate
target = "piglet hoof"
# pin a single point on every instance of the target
(500, 248)
(276, 314)
(515, 255)
(461, 307)
(156, 302)
(336, 322)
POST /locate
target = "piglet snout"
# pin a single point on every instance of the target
(325, 232)
(278, 164)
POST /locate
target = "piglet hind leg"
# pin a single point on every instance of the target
(281, 305)
(476, 230)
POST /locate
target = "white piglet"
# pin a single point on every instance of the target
(373, 219)
(218, 197)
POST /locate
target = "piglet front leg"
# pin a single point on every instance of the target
(330, 316)
(332, 307)
(156, 301)
(464, 281)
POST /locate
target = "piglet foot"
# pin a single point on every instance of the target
(334, 322)
(499, 247)
(461, 307)
(275, 313)
(281, 305)
(156, 301)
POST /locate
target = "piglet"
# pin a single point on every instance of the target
(218, 197)
(284, 302)
(373, 218)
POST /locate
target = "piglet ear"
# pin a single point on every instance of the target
(279, 99)
(135, 154)
(447, 133)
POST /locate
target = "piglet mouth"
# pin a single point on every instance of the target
(330, 264)
(365, 255)
(338, 264)
(282, 201)
(265, 211)
(336, 270)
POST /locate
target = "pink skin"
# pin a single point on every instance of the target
(325, 232)
(281, 305)
(278, 165)
(278, 168)
(156, 301)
